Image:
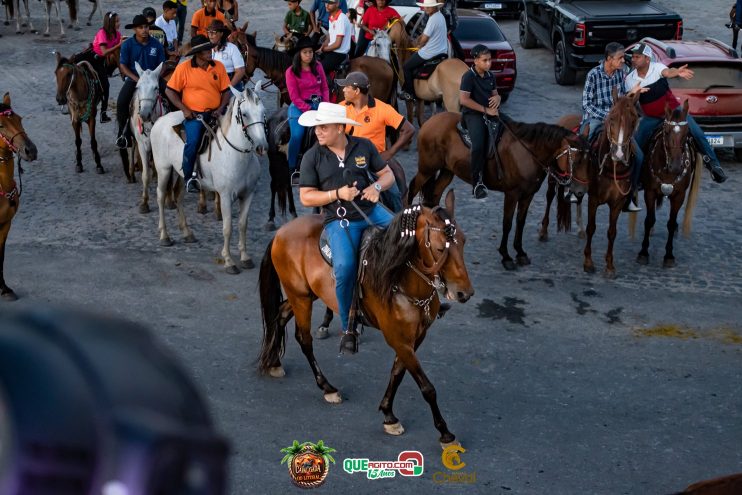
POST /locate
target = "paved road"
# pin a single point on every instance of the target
(554, 381)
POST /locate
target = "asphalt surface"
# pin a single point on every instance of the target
(555, 381)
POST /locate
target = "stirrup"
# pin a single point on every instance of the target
(193, 185)
(295, 178)
(480, 191)
(349, 342)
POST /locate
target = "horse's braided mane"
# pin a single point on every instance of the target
(389, 251)
(539, 132)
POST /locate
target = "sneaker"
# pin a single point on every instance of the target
(480, 192)
(631, 206)
(104, 118)
(193, 186)
(295, 176)
(443, 309)
(349, 343)
(121, 142)
(404, 95)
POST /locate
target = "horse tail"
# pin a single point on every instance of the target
(73, 10)
(692, 197)
(271, 298)
(564, 211)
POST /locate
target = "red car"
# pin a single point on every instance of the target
(476, 27)
(714, 93)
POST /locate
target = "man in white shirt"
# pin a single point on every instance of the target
(166, 22)
(337, 45)
(431, 43)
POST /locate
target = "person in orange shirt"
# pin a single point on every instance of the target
(203, 17)
(199, 88)
(376, 116)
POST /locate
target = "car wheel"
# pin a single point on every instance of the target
(527, 39)
(738, 154)
(563, 73)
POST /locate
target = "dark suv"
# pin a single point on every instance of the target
(578, 31)
(494, 8)
(714, 93)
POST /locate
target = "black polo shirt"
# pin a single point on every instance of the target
(320, 168)
(480, 88)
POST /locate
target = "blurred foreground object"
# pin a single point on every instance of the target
(94, 405)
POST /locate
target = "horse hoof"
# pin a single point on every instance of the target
(99, 170)
(269, 226)
(9, 296)
(170, 205)
(668, 263)
(610, 274)
(543, 237)
(333, 398)
(219, 217)
(131, 180)
(247, 264)
(523, 260)
(445, 445)
(144, 208)
(46, 35)
(589, 268)
(509, 265)
(232, 270)
(581, 234)
(321, 333)
(189, 239)
(166, 242)
(78, 169)
(88, 23)
(395, 429)
(642, 259)
(277, 372)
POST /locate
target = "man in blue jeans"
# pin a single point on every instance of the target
(653, 76)
(334, 177)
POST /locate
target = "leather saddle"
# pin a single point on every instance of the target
(426, 70)
(494, 129)
(205, 139)
(326, 251)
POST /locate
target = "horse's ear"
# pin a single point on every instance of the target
(668, 111)
(138, 68)
(450, 203)
(586, 131)
(254, 34)
(157, 71)
(59, 57)
(243, 28)
(234, 91)
(6, 99)
(614, 94)
(686, 106)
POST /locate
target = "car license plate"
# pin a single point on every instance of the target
(492, 5)
(715, 140)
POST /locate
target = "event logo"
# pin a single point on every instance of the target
(408, 463)
(308, 463)
(451, 459)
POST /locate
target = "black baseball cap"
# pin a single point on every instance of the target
(642, 49)
(355, 79)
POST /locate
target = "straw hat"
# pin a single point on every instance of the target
(326, 113)
(428, 3)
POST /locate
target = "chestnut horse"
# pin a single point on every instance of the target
(528, 152)
(79, 88)
(421, 250)
(13, 139)
(669, 171)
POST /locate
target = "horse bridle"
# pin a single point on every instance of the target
(626, 147)
(685, 154)
(238, 117)
(565, 178)
(9, 141)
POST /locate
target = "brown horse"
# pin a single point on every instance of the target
(13, 139)
(79, 88)
(724, 485)
(274, 64)
(528, 152)
(442, 85)
(610, 173)
(400, 294)
(669, 172)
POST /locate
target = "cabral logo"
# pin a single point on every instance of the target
(451, 459)
(408, 463)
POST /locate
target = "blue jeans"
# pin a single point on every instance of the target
(194, 131)
(647, 125)
(344, 243)
(297, 135)
(180, 20)
(638, 158)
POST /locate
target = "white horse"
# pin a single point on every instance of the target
(380, 46)
(71, 4)
(146, 107)
(230, 168)
(13, 10)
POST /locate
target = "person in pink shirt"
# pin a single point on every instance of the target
(307, 87)
(107, 39)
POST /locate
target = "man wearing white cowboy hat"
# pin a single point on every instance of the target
(334, 174)
(433, 42)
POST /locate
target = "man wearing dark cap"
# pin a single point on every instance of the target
(480, 102)
(199, 88)
(155, 31)
(149, 53)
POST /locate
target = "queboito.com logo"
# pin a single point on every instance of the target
(408, 463)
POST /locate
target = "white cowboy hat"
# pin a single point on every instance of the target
(429, 3)
(326, 113)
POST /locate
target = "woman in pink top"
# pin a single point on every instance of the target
(307, 86)
(107, 39)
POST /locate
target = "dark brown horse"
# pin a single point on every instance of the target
(274, 64)
(421, 250)
(669, 171)
(528, 152)
(13, 139)
(78, 87)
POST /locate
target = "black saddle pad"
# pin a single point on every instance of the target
(326, 251)
(427, 69)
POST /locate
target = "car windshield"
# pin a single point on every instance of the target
(478, 30)
(710, 76)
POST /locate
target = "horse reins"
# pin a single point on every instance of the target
(14, 192)
(244, 127)
(685, 152)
